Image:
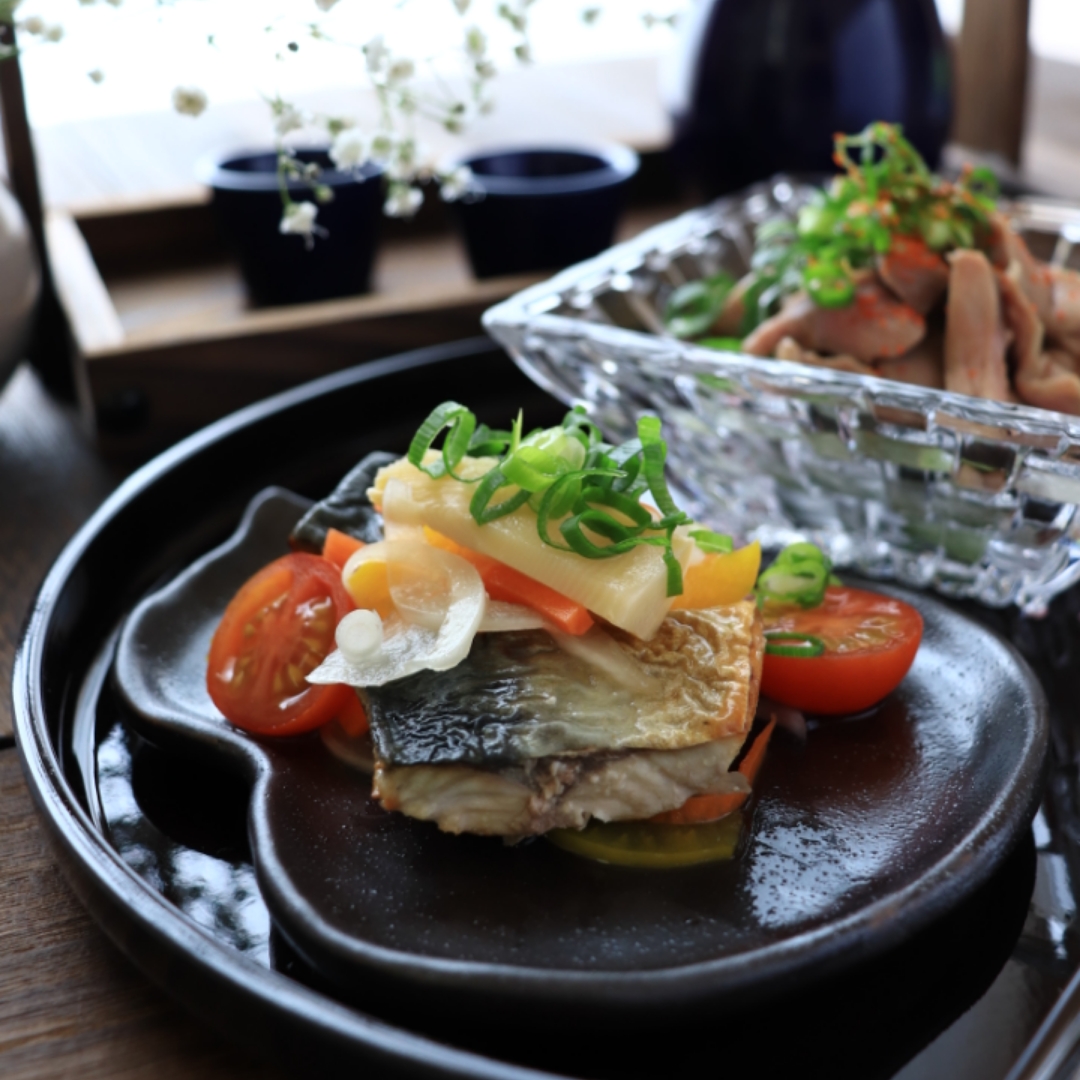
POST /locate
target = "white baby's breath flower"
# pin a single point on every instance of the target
(33, 24)
(299, 219)
(485, 69)
(402, 201)
(456, 184)
(96, 76)
(54, 32)
(349, 149)
(189, 100)
(287, 117)
(475, 43)
(400, 70)
(325, 5)
(376, 54)
(383, 146)
(462, 6)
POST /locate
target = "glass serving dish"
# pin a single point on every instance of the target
(972, 498)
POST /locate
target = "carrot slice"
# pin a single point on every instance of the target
(701, 808)
(338, 546)
(507, 584)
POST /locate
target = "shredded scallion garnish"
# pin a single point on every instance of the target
(792, 643)
(586, 493)
(884, 190)
(800, 574)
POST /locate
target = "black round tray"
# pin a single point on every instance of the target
(862, 1021)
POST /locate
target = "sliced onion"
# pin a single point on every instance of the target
(501, 617)
(602, 651)
(359, 635)
(421, 580)
(420, 577)
(408, 647)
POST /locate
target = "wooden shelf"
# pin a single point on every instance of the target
(164, 349)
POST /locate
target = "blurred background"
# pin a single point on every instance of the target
(121, 138)
(150, 315)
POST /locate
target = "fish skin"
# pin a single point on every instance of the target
(518, 697)
(347, 508)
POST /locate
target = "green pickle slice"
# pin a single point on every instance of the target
(658, 847)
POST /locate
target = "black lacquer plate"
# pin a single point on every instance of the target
(878, 851)
(859, 835)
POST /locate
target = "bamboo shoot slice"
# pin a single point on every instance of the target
(628, 590)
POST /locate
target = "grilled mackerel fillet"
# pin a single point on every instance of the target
(522, 737)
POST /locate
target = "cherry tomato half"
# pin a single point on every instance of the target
(870, 642)
(276, 630)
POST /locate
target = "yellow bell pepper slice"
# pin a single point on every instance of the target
(369, 588)
(720, 579)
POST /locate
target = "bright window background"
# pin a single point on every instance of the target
(120, 138)
(144, 49)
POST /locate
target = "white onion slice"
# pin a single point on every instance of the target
(421, 580)
(602, 651)
(359, 635)
(377, 552)
(501, 617)
(420, 577)
(408, 647)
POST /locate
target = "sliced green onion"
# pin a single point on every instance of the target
(654, 454)
(556, 502)
(800, 574)
(534, 469)
(622, 504)
(808, 644)
(480, 505)
(489, 443)
(573, 529)
(462, 424)
(829, 284)
(692, 308)
(571, 477)
(722, 344)
(674, 571)
(712, 543)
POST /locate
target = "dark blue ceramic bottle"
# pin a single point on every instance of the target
(764, 84)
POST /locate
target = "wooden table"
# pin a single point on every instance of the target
(69, 1002)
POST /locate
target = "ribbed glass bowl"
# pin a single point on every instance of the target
(970, 497)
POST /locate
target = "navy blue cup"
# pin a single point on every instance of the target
(542, 208)
(285, 269)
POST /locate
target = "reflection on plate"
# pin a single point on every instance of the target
(857, 839)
